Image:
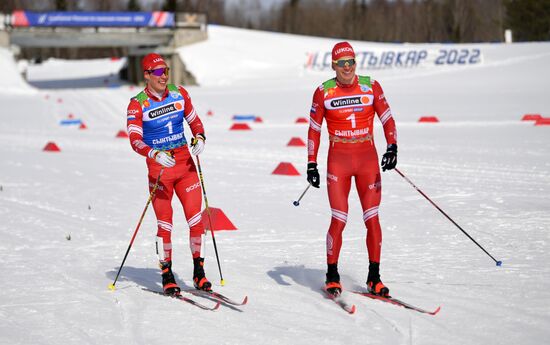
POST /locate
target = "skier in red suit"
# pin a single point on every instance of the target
(349, 103)
(155, 119)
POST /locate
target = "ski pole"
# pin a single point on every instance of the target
(297, 202)
(151, 196)
(498, 262)
(222, 282)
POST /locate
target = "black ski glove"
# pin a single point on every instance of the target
(313, 174)
(389, 159)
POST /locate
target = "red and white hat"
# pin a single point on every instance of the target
(152, 60)
(341, 50)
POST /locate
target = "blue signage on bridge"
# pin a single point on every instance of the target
(93, 19)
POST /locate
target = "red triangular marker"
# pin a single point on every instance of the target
(219, 220)
(240, 127)
(531, 117)
(51, 147)
(428, 119)
(285, 168)
(543, 121)
(296, 142)
(122, 134)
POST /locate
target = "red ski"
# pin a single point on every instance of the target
(182, 298)
(341, 301)
(218, 296)
(395, 301)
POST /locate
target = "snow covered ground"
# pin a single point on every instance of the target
(481, 164)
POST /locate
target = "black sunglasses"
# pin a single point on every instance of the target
(343, 63)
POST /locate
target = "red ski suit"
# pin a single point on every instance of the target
(349, 111)
(182, 178)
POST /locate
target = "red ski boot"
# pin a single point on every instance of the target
(332, 284)
(199, 278)
(169, 284)
(374, 284)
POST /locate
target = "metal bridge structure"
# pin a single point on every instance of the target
(140, 32)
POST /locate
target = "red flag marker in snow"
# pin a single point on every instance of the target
(295, 141)
(210, 113)
(51, 147)
(258, 119)
(82, 126)
(431, 119)
(531, 117)
(301, 120)
(70, 116)
(219, 220)
(122, 134)
(240, 127)
(285, 168)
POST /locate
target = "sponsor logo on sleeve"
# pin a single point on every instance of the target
(310, 147)
(314, 107)
(139, 144)
(131, 114)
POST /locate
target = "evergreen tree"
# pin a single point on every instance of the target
(529, 19)
(61, 5)
(170, 6)
(133, 5)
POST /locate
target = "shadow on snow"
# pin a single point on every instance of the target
(308, 277)
(148, 278)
